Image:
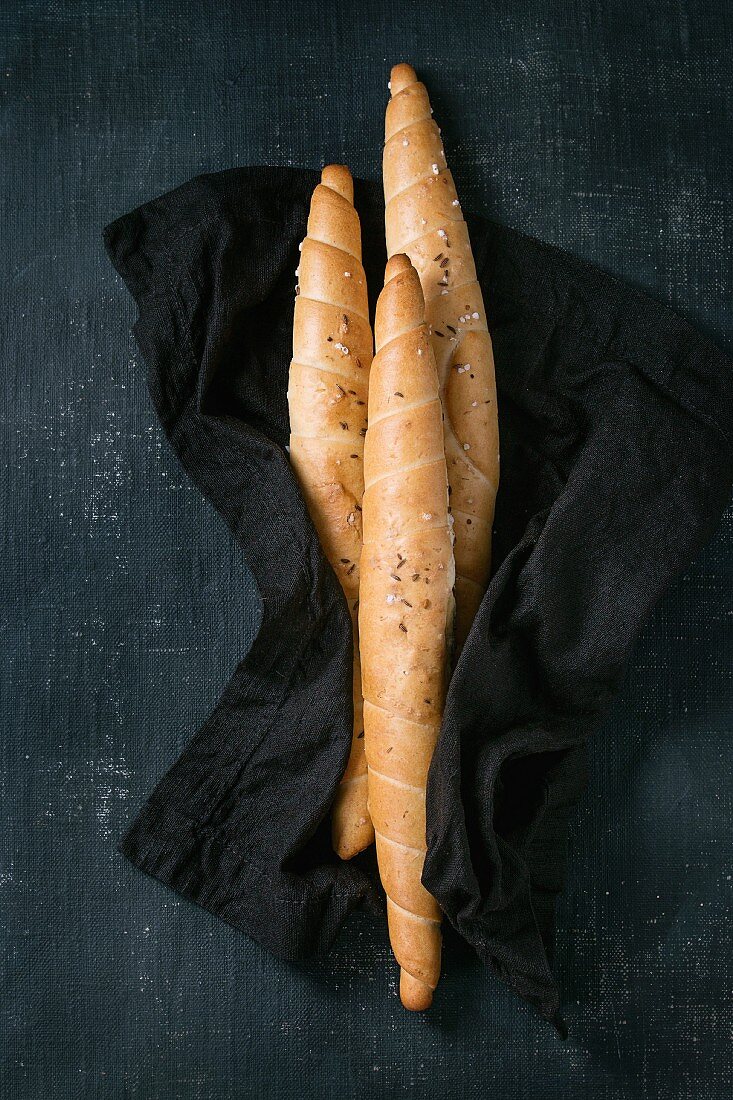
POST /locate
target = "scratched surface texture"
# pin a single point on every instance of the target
(602, 128)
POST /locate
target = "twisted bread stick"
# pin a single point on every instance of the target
(405, 615)
(327, 397)
(423, 219)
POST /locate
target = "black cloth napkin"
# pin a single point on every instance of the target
(616, 465)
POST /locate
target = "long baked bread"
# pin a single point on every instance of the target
(405, 615)
(327, 398)
(424, 220)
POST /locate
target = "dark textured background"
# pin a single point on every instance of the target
(607, 132)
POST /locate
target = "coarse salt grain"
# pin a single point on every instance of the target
(467, 446)
(391, 598)
(347, 274)
(442, 233)
(474, 404)
(455, 202)
(423, 221)
(436, 170)
(427, 515)
(405, 142)
(419, 351)
(475, 316)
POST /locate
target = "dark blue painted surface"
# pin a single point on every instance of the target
(603, 131)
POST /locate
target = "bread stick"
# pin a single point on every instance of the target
(405, 615)
(423, 219)
(327, 400)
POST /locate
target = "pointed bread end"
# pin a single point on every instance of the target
(415, 995)
(402, 76)
(338, 178)
(395, 266)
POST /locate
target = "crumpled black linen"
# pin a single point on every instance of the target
(617, 462)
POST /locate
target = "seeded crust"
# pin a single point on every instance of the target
(405, 615)
(327, 400)
(423, 219)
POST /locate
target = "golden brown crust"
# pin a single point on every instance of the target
(423, 219)
(405, 615)
(327, 399)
